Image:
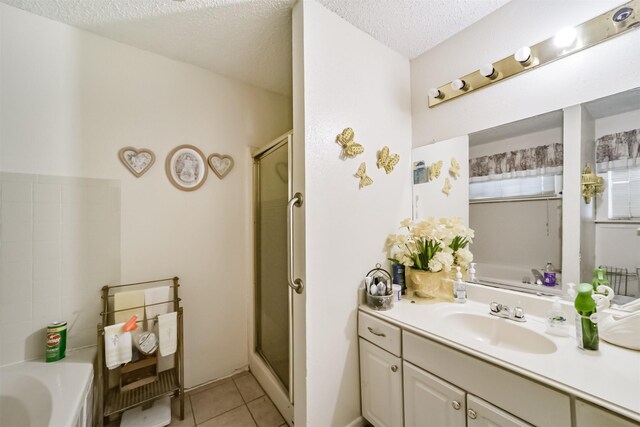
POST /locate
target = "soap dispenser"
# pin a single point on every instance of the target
(556, 321)
(472, 272)
(460, 288)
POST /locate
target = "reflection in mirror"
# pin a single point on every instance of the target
(515, 203)
(616, 123)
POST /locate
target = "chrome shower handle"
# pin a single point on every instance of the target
(295, 284)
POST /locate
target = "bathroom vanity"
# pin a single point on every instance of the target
(455, 365)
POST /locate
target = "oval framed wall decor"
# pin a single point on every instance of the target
(186, 167)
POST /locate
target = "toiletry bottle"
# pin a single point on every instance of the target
(556, 321)
(599, 278)
(586, 329)
(472, 272)
(549, 275)
(398, 276)
(460, 288)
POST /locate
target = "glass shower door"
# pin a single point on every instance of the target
(272, 295)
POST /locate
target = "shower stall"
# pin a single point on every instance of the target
(271, 359)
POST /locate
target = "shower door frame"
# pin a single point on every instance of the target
(268, 379)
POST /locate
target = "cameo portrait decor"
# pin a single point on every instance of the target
(186, 167)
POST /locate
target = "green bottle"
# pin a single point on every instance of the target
(599, 278)
(586, 330)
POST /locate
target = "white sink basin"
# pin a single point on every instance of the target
(500, 333)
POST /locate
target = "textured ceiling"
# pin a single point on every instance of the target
(250, 40)
(247, 40)
(412, 27)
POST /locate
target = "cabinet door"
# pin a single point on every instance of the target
(380, 385)
(430, 401)
(484, 414)
(588, 415)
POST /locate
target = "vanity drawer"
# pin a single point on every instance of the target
(380, 333)
(522, 397)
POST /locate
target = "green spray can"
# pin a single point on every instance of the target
(56, 341)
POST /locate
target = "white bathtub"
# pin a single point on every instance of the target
(39, 394)
(510, 277)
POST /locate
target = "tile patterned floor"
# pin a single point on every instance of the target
(233, 402)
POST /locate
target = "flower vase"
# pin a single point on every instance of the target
(430, 285)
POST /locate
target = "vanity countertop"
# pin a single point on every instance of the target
(609, 377)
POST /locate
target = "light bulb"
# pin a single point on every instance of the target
(565, 37)
(523, 55)
(458, 84)
(435, 93)
(488, 71)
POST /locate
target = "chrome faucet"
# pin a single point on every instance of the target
(506, 312)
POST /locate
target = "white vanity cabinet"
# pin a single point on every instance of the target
(380, 385)
(410, 380)
(432, 402)
(588, 415)
(429, 401)
(507, 392)
(380, 372)
(484, 414)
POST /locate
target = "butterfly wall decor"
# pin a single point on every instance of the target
(447, 186)
(454, 170)
(434, 170)
(362, 174)
(350, 148)
(386, 160)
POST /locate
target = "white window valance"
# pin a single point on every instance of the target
(618, 151)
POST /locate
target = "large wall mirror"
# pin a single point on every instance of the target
(527, 221)
(515, 202)
(615, 122)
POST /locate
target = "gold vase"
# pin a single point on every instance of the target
(429, 285)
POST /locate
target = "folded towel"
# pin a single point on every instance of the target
(156, 295)
(117, 346)
(168, 333)
(124, 300)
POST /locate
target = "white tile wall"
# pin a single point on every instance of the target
(59, 244)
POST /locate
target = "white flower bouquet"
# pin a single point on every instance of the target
(432, 245)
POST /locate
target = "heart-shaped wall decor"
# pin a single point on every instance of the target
(221, 164)
(138, 161)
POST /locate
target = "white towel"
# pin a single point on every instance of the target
(156, 295)
(123, 300)
(117, 346)
(168, 333)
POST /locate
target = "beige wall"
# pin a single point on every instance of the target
(70, 100)
(348, 80)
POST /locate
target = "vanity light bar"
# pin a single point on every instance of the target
(568, 40)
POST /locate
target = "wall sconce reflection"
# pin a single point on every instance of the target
(592, 184)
